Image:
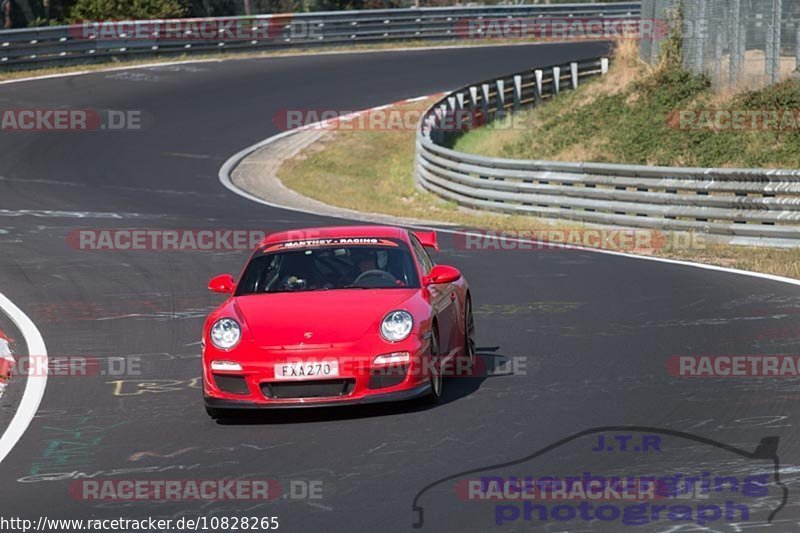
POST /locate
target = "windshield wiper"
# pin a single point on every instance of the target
(281, 291)
(362, 287)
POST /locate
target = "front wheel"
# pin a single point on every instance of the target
(469, 333)
(437, 379)
(215, 413)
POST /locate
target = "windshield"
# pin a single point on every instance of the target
(284, 268)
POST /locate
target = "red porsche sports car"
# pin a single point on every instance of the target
(332, 316)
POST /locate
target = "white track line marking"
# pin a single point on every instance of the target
(228, 167)
(35, 387)
(109, 69)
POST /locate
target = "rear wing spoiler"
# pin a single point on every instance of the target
(427, 239)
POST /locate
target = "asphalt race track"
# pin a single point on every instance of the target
(592, 331)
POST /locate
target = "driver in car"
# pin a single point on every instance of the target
(370, 269)
(366, 261)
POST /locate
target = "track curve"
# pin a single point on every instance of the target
(595, 329)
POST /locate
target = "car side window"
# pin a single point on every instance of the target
(422, 255)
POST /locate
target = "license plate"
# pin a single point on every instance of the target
(306, 370)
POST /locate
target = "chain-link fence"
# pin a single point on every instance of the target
(736, 43)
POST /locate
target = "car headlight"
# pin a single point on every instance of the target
(396, 326)
(225, 333)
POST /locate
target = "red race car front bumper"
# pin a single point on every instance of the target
(358, 380)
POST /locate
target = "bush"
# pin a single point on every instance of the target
(127, 9)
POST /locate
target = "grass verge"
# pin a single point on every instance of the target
(633, 116)
(372, 171)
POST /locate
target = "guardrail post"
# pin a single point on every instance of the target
(485, 91)
(539, 77)
(556, 80)
(573, 67)
(461, 116)
(501, 98)
(440, 132)
(452, 113)
(517, 92)
(473, 96)
(436, 130)
(604, 66)
(434, 126)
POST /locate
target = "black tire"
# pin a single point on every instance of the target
(216, 414)
(469, 333)
(437, 379)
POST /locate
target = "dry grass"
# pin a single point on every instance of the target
(510, 137)
(371, 171)
(627, 68)
(629, 117)
(581, 152)
(777, 261)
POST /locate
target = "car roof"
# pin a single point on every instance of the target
(389, 232)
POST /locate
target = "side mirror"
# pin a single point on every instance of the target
(223, 283)
(442, 274)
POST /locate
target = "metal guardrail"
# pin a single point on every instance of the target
(60, 45)
(748, 205)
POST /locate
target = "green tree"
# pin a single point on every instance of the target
(127, 9)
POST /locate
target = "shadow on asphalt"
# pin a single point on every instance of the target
(491, 363)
